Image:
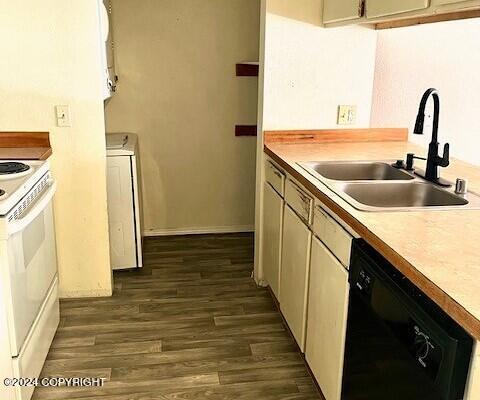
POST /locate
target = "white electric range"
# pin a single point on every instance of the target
(29, 307)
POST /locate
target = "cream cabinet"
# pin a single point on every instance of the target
(327, 319)
(272, 237)
(342, 10)
(459, 2)
(294, 274)
(384, 8)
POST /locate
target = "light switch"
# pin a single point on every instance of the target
(63, 116)
(347, 114)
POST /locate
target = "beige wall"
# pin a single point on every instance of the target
(178, 92)
(445, 56)
(50, 55)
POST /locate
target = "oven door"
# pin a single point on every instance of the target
(32, 263)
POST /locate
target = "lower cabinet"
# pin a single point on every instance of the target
(294, 274)
(327, 319)
(272, 237)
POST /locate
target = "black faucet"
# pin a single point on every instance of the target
(434, 161)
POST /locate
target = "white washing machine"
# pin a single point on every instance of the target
(124, 200)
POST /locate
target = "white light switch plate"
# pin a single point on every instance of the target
(347, 114)
(63, 116)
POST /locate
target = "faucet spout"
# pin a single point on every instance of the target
(421, 113)
(434, 160)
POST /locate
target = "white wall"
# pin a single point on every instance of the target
(310, 70)
(178, 91)
(443, 55)
(50, 54)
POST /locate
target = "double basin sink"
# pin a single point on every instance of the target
(378, 186)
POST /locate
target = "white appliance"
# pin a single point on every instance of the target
(28, 274)
(106, 49)
(124, 199)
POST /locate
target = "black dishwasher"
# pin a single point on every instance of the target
(399, 345)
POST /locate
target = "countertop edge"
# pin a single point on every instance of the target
(25, 145)
(25, 153)
(456, 311)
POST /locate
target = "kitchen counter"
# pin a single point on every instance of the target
(439, 251)
(25, 146)
(25, 153)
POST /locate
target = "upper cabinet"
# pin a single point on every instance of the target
(445, 2)
(342, 10)
(384, 8)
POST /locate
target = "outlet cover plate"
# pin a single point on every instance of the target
(347, 114)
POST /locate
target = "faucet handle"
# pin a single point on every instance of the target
(445, 160)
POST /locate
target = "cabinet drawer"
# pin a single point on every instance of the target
(275, 177)
(299, 200)
(332, 234)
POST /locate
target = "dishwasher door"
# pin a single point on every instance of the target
(399, 344)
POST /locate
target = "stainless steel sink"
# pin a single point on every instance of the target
(355, 170)
(377, 186)
(398, 195)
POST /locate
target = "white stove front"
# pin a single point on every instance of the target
(13, 187)
(28, 277)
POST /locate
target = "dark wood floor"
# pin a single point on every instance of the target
(190, 325)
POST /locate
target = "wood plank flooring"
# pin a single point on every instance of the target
(191, 324)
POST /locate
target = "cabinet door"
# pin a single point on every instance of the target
(272, 237)
(121, 213)
(341, 10)
(294, 274)
(460, 4)
(327, 319)
(383, 8)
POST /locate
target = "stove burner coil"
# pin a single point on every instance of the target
(8, 168)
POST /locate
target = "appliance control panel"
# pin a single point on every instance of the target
(364, 281)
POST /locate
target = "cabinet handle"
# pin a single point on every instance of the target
(278, 174)
(361, 8)
(302, 195)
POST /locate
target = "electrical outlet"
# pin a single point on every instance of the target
(63, 116)
(347, 115)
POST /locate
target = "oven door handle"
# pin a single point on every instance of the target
(18, 225)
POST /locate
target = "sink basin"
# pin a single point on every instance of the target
(398, 195)
(355, 170)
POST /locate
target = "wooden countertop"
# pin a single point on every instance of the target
(439, 251)
(25, 146)
(25, 153)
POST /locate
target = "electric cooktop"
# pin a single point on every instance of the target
(12, 167)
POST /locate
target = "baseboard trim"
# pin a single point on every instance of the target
(74, 294)
(199, 231)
